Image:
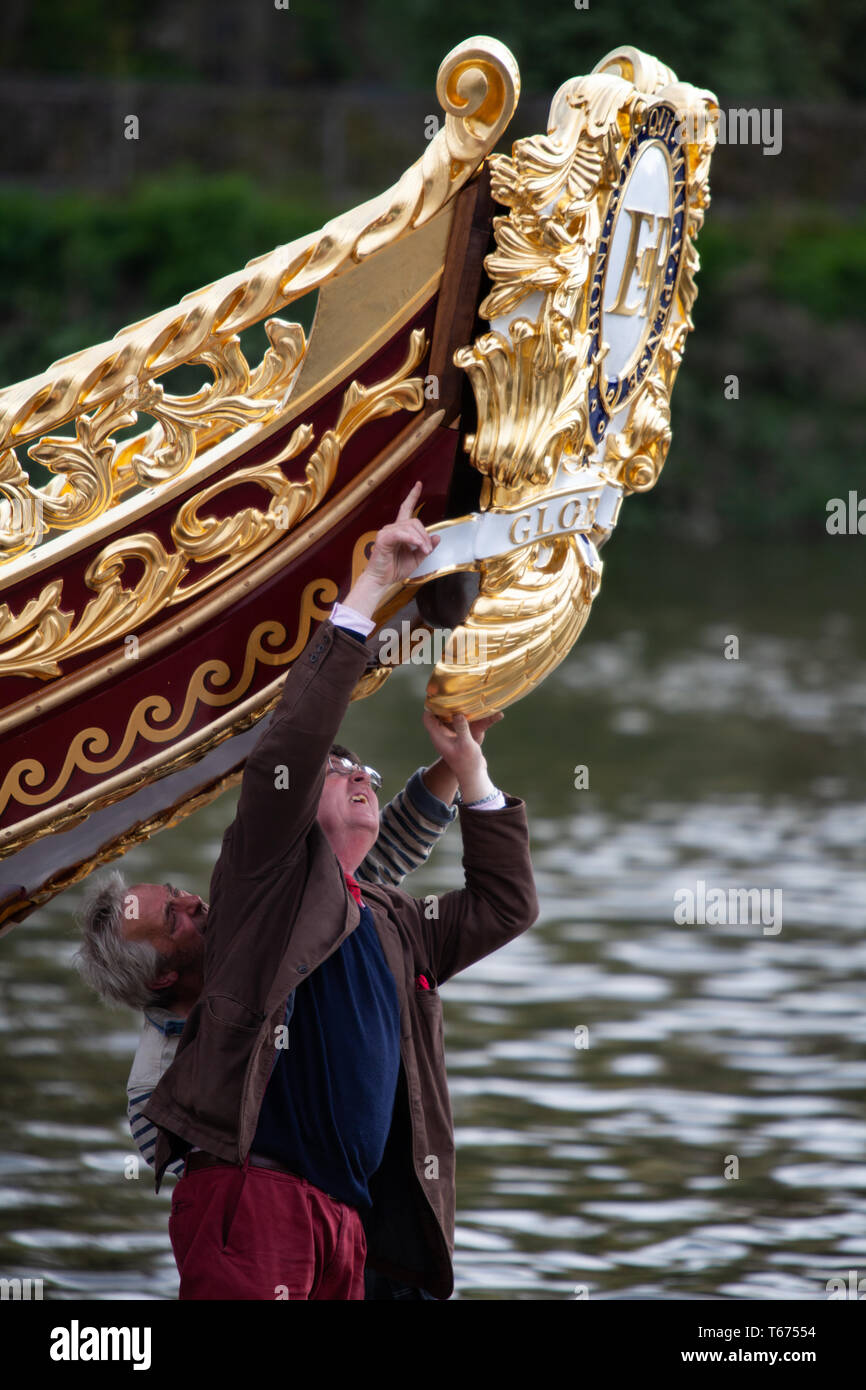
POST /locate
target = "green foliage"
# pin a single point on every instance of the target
(781, 300)
(76, 269)
(820, 263)
(815, 257)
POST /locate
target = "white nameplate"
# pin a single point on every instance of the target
(573, 511)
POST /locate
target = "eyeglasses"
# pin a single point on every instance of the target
(345, 767)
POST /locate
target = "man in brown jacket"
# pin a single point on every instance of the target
(316, 1120)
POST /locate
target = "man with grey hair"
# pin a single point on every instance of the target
(121, 961)
(129, 961)
(302, 1162)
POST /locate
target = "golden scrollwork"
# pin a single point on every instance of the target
(20, 509)
(94, 471)
(247, 533)
(525, 620)
(635, 454)
(153, 719)
(532, 375)
(527, 417)
(103, 387)
(42, 636)
(235, 398)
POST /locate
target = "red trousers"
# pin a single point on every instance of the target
(252, 1233)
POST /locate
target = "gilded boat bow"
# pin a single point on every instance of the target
(158, 588)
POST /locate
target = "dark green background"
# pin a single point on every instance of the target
(257, 124)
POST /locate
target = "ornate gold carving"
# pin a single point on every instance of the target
(535, 377)
(94, 471)
(525, 620)
(634, 456)
(477, 85)
(149, 721)
(247, 533)
(44, 630)
(237, 397)
(529, 415)
(204, 610)
(42, 636)
(85, 463)
(20, 509)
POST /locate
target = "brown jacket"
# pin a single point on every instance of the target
(279, 906)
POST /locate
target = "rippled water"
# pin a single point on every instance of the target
(607, 1168)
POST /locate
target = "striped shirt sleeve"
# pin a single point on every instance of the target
(409, 827)
(144, 1133)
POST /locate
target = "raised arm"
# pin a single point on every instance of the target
(413, 821)
(499, 899)
(283, 777)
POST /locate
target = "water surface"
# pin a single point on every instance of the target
(713, 1050)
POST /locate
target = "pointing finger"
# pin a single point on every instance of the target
(408, 504)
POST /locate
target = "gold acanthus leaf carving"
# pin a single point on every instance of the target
(529, 414)
(647, 73)
(236, 539)
(558, 186)
(51, 637)
(231, 399)
(532, 391)
(635, 455)
(20, 510)
(85, 464)
(94, 471)
(245, 534)
(40, 623)
(555, 185)
(540, 255)
(591, 121)
(179, 435)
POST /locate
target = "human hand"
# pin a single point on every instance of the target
(397, 550)
(439, 778)
(478, 728)
(460, 748)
